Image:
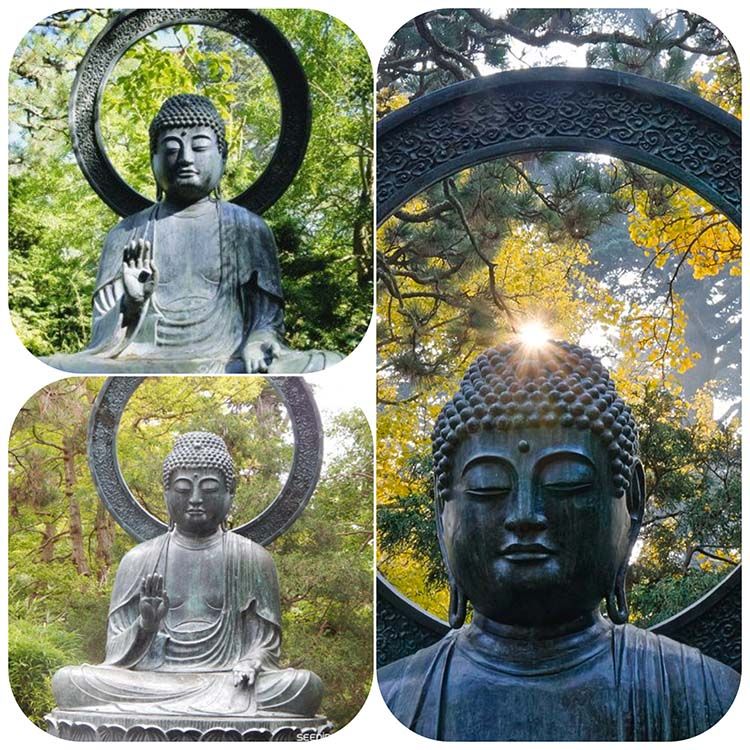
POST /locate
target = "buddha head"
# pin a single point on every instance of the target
(538, 487)
(199, 483)
(188, 148)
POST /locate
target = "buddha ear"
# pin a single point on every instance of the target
(457, 606)
(159, 189)
(228, 504)
(635, 497)
(439, 504)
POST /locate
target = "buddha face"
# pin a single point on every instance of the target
(198, 500)
(187, 163)
(534, 531)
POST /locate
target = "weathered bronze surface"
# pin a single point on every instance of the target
(539, 500)
(190, 284)
(194, 627)
(662, 127)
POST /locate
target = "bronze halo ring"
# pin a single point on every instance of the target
(130, 26)
(266, 526)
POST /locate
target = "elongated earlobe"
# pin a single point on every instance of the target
(457, 607)
(617, 600)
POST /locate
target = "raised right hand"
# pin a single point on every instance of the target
(139, 274)
(154, 602)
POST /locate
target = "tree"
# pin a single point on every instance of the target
(443, 46)
(691, 530)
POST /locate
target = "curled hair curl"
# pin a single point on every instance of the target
(188, 111)
(513, 387)
(200, 450)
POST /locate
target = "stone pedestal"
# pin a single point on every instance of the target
(102, 726)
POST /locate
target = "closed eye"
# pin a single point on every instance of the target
(487, 491)
(568, 487)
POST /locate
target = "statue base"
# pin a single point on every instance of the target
(100, 726)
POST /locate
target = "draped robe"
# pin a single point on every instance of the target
(605, 683)
(204, 331)
(178, 672)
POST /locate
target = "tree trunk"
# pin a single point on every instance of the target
(362, 239)
(47, 550)
(74, 510)
(105, 538)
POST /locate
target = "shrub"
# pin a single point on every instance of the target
(35, 652)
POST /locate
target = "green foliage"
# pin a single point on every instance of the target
(442, 46)
(324, 560)
(325, 568)
(322, 224)
(408, 525)
(35, 652)
(692, 528)
(653, 602)
(324, 220)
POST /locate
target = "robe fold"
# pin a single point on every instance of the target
(615, 683)
(251, 594)
(205, 331)
(248, 297)
(190, 672)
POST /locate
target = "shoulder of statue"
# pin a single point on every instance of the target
(240, 215)
(247, 547)
(142, 551)
(672, 652)
(410, 669)
(647, 639)
(696, 681)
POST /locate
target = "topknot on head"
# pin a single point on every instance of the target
(200, 450)
(513, 387)
(188, 111)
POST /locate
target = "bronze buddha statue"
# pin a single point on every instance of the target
(194, 627)
(539, 497)
(192, 283)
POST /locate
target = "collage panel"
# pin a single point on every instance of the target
(559, 315)
(186, 126)
(164, 534)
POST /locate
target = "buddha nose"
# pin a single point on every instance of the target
(524, 513)
(186, 155)
(195, 497)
